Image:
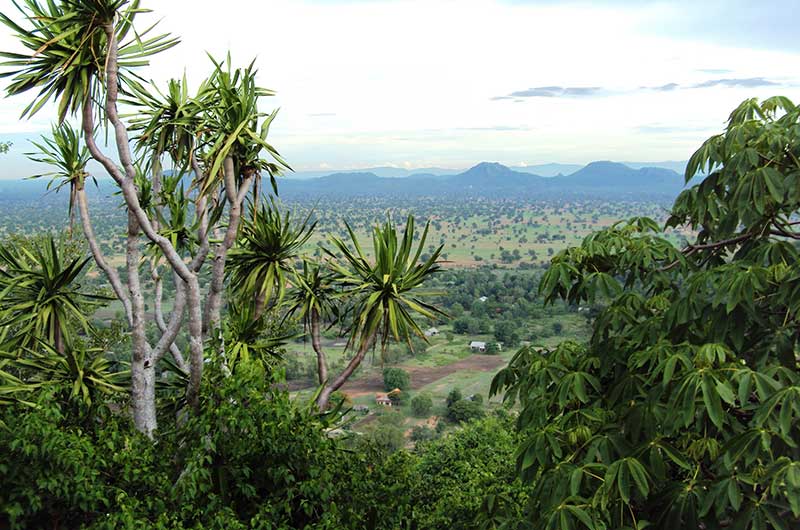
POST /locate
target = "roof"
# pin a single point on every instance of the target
(477, 344)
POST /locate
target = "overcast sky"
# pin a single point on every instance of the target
(451, 83)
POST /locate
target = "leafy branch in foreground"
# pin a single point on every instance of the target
(683, 410)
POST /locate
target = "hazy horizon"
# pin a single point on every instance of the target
(449, 84)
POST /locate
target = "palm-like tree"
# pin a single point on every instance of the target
(231, 122)
(64, 153)
(39, 295)
(316, 299)
(247, 339)
(261, 262)
(68, 44)
(86, 372)
(386, 291)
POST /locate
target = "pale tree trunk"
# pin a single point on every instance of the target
(325, 395)
(213, 307)
(158, 313)
(126, 183)
(316, 343)
(143, 391)
(110, 272)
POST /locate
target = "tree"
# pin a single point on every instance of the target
(683, 410)
(453, 396)
(395, 378)
(464, 410)
(385, 291)
(83, 55)
(41, 301)
(506, 333)
(421, 405)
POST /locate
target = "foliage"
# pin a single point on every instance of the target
(388, 290)
(422, 433)
(263, 463)
(453, 396)
(68, 45)
(40, 297)
(395, 378)
(269, 243)
(492, 348)
(465, 410)
(388, 434)
(421, 405)
(65, 154)
(682, 411)
(467, 479)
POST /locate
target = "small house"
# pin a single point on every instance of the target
(383, 399)
(477, 346)
(431, 332)
(483, 298)
(363, 409)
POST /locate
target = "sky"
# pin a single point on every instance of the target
(438, 83)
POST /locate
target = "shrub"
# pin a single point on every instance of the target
(453, 396)
(422, 433)
(421, 405)
(465, 410)
(395, 378)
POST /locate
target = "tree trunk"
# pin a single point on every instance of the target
(143, 389)
(325, 396)
(235, 197)
(111, 273)
(316, 343)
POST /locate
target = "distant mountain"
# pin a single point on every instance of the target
(383, 172)
(493, 175)
(605, 178)
(675, 165)
(549, 170)
(614, 175)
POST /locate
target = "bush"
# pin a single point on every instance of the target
(453, 396)
(395, 378)
(465, 410)
(421, 405)
(249, 458)
(422, 433)
(492, 348)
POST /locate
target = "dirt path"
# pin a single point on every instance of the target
(420, 375)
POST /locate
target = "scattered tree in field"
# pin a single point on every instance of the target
(421, 405)
(395, 378)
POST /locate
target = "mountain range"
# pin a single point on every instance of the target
(493, 179)
(490, 179)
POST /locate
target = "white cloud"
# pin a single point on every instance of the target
(411, 82)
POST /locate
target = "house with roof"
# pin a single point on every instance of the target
(478, 346)
(431, 332)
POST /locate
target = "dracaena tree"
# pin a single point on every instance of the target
(683, 410)
(385, 290)
(81, 54)
(41, 299)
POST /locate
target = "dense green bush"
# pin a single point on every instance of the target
(395, 378)
(453, 396)
(465, 410)
(421, 405)
(467, 480)
(250, 459)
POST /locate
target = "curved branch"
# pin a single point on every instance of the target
(110, 272)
